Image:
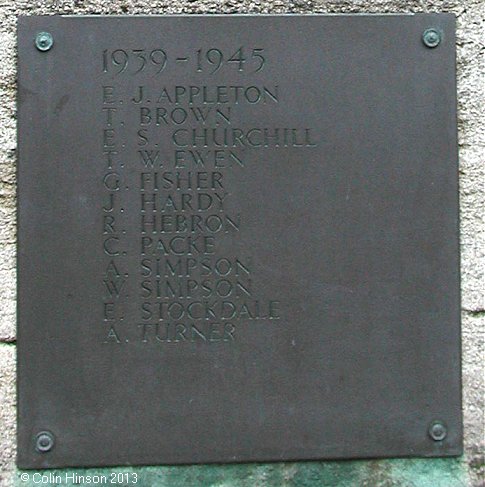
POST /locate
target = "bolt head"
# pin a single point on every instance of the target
(44, 441)
(437, 431)
(431, 37)
(44, 41)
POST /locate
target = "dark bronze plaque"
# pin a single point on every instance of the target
(238, 239)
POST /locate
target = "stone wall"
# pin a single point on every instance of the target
(466, 471)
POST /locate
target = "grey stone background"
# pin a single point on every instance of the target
(471, 116)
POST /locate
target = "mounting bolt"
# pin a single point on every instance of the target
(44, 41)
(437, 431)
(44, 441)
(431, 37)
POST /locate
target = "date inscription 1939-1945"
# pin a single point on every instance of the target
(134, 61)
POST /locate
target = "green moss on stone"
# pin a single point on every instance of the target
(437, 472)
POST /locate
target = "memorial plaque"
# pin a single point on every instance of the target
(238, 239)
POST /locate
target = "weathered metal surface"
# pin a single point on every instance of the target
(238, 239)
